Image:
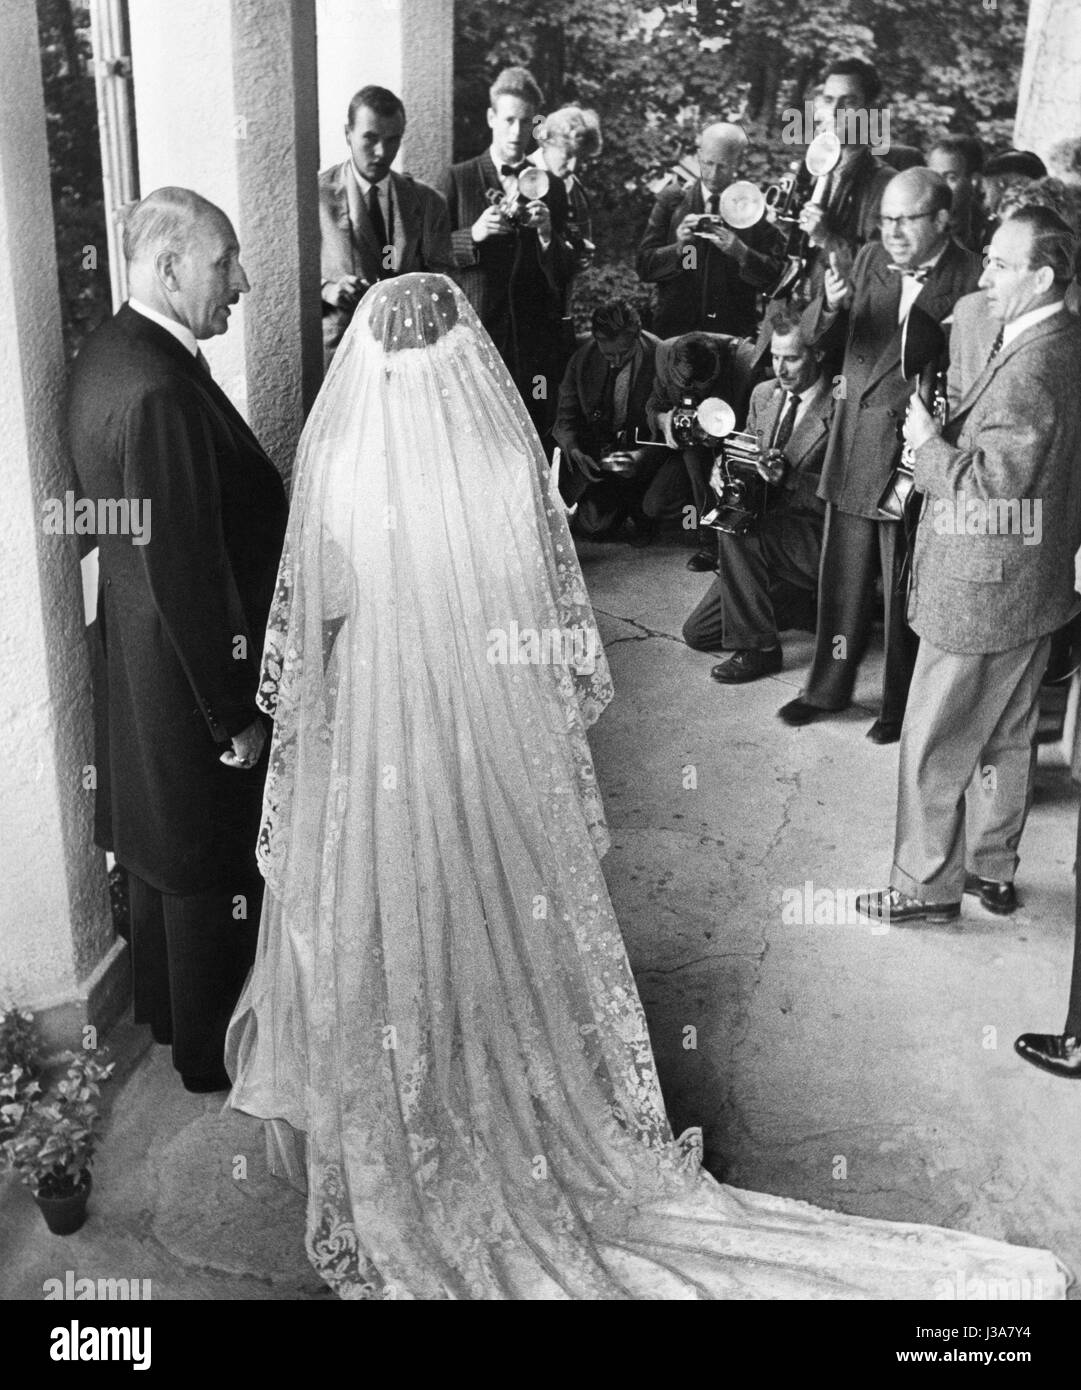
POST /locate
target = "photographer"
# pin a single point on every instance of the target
(693, 367)
(767, 580)
(708, 277)
(602, 406)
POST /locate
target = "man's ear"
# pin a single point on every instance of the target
(1045, 278)
(348, 130)
(491, 119)
(942, 219)
(165, 267)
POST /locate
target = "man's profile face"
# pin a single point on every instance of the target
(374, 142)
(616, 351)
(1011, 286)
(209, 277)
(511, 122)
(841, 91)
(952, 168)
(794, 363)
(911, 233)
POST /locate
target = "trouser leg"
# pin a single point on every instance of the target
(210, 951)
(1073, 1012)
(845, 608)
(901, 642)
(151, 1001)
(960, 705)
(746, 609)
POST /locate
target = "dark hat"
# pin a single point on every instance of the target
(1023, 162)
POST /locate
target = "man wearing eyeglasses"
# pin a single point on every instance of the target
(916, 262)
(992, 578)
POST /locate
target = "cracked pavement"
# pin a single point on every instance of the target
(872, 1072)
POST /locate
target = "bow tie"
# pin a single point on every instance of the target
(919, 273)
(508, 169)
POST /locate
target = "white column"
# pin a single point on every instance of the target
(226, 104)
(1049, 96)
(58, 954)
(406, 45)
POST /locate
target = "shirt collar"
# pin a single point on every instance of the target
(364, 185)
(180, 332)
(1029, 320)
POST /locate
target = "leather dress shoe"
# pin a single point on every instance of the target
(893, 906)
(884, 731)
(204, 1084)
(702, 561)
(1058, 1053)
(996, 896)
(747, 665)
(798, 712)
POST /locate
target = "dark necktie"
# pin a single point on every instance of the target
(379, 227)
(607, 409)
(786, 421)
(996, 346)
(203, 362)
(714, 205)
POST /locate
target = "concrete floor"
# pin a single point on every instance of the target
(866, 1071)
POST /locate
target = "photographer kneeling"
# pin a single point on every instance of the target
(767, 580)
(602, 409)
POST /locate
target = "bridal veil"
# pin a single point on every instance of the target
(441, 1008)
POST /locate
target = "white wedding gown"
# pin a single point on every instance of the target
(441, 1026)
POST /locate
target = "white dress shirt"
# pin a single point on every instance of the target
(910, 286)
(179, 331)
(1029, 320)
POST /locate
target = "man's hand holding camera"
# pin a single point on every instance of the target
(493, 221)
(537, 215)
(920, 425)
(837, 286)
(772, 466)
(344, 293)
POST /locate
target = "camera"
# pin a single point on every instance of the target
(530, 184)
(743, 495)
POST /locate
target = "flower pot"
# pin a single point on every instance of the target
(65, 1215)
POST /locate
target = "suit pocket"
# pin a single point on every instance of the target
(977, 569)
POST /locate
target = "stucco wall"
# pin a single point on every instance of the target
(54, 919)
(1049, 96)
(406, 45)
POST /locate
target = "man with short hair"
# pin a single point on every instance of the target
(180, 745)
(959, 159)
(847, 217)
(767, 580)
(916, 262)
(992, 579)
(373, 222)
(515, 269)
(708, 276)
(602, 412)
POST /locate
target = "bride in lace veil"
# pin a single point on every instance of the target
(441, 1028)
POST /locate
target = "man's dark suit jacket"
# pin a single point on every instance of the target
(346, 250)
(182, 618)
(872, 394)
(806, 447)
(717, 295)
(578, 421)
(518, 290)
(1016, 439)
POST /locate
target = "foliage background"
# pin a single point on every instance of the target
(655, 74)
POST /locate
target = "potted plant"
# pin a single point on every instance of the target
(56, 1133)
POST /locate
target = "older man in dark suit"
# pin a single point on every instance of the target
(180, 744)
(602, 412)
(992, 578)
(915, 263)
(515, 270)
(768, 580)
(708, 278)
(373, 222)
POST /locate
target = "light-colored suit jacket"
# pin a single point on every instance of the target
(806, 447)
(993, 558)
(421, 238)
